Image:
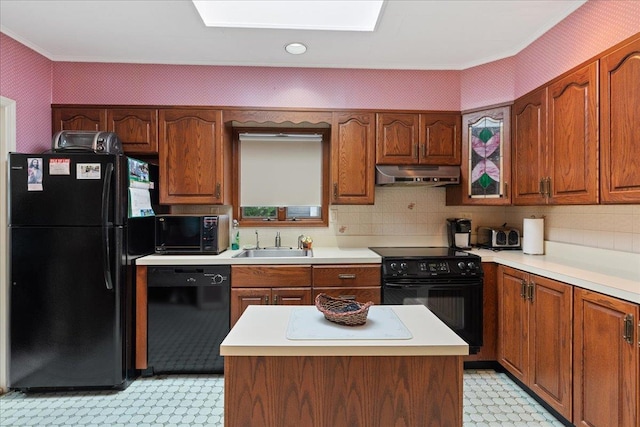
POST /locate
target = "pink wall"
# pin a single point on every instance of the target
(25, 77)
(488, 84)
(35, 82)
(591, 29)
(588, 31)
(93, 83)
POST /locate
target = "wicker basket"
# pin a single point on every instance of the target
(343, 311)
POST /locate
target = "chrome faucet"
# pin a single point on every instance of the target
(278, 241)
(257, 241)
(300, 237)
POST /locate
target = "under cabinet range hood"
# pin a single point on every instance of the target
(433, 176)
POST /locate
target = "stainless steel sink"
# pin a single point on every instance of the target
(274, 253)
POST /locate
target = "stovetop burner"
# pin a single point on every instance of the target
(428, 262)
(420, 252)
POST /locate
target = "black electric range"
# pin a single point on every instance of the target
(449, 282)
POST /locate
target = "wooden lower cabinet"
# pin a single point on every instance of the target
(299, 285)
(244, 297)
(360, 282)
(513, 316)
(535, 335)
(320, 391)
(268, 284)
(606, 359)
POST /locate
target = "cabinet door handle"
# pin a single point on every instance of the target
(541, 187)
(335, 190)
(415, 151)
(266, 300)
(548, 186)
(530, 291)
(423, 150)
(627, 332)
(346, 276)
(218, 190)
(347, 297)
(523, 289)
(275, 300)
(506, 189)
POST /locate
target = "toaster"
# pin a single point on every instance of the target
(499, 238)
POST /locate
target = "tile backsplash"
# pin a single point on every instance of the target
(415, 216)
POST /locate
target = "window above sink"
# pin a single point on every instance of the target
(281, 176)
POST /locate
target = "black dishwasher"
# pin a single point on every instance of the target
(188, 317)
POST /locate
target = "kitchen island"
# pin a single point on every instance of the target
(276, 375)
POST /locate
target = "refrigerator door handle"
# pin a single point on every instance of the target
(106, 253)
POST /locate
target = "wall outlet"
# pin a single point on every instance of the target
(333, 215)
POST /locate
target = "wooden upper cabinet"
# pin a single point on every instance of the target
(485, 173)
(572, 154)
(619, 120)
(397, 136)
(418, 139)
(352, 158)
(137, 129)
(93, 119)
(440, 135)
(191, 156)
(555, 145)
(529, 122)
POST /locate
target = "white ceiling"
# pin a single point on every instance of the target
(411, 34)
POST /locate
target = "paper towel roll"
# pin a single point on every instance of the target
(533, 236)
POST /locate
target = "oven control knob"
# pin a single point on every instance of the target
(403, 266)
(471, 265)
(217, 279)
(462, 265)
(393, 266)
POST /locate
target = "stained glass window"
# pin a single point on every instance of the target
(486, 158)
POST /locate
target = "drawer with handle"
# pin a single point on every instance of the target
(348, 275)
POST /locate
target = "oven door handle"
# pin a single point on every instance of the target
(402, 285)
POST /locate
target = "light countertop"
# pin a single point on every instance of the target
(262, 331)
(612, 273)
(321, 255)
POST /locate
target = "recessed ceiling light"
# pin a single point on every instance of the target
(344, 15)
(295, 48)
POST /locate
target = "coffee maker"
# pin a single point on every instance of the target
(459, 233)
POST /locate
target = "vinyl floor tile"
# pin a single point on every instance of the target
(491, 399)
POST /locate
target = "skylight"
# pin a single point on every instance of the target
(349, 15)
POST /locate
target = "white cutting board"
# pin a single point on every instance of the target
(307, 323)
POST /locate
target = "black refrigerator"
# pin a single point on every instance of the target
(72, 252)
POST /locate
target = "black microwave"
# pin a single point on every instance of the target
(192, 234)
